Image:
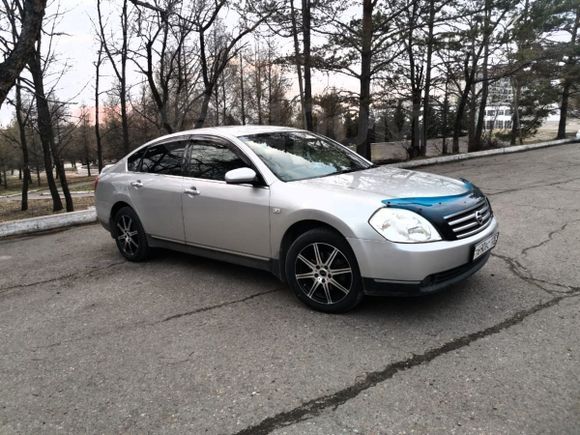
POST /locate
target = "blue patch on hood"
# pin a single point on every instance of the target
(428, 201)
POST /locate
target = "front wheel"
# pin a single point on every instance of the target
(129, 235)
(322, 270)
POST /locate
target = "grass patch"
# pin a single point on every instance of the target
(78, 187)
(75, 183)
(14, 184)
(10, 210)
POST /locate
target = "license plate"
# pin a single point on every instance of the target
(484, 246)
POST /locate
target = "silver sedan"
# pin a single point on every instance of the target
(319, 216)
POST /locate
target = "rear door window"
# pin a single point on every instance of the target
(165, 158)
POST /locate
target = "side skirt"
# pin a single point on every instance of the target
(271, 265)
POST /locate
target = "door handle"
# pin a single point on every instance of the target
(192, 191)
(136, 184)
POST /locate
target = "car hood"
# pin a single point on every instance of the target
(389, 182)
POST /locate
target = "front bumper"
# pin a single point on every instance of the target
(431, 284)
(418, 266)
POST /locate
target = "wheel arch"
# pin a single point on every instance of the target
(116, 207)
(296, 230)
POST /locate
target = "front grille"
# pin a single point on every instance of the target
(470, 221)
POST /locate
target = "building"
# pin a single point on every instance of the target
(498, 111)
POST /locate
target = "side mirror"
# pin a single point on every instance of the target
(241, 176)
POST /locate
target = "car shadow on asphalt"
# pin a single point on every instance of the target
(215, 267)
(457, 295)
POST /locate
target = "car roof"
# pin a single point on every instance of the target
(229, 131)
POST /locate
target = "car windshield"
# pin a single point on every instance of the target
(298, 155)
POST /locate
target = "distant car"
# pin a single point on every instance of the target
(316, 214)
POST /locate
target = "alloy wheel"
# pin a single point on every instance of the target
(128, 236)
(323, 273)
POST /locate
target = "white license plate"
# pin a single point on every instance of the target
(485, 245)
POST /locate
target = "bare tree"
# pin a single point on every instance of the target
(169, 65)
(31, 13)
(38, 66)
(212, 65)
(22, 119)
(119, 66)
(97, 108)
(44, 125)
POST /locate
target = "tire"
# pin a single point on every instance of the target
(331, 285)
(130, 235)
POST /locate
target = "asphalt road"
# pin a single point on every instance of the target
(91, 343)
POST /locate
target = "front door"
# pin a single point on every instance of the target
(225, 217)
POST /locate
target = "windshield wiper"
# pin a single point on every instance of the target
(343, 171)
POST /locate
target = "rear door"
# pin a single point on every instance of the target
(156, 190)
(225, 217)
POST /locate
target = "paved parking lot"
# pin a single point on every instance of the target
(91, 343)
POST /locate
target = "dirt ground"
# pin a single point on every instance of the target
(10, 210)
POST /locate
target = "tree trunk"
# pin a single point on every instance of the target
(64, 184)
(363, 143)
(259, 89)
(224, 100)
(477, 137)
(445, 115)
(297, 58)
(242, 95)
(471, 119)
(426, 109)
(567, 81)
(414, 150)
(217, 104)
(564, 110)
(123, 79)
(515, 133)
(97, 127)
(44, 128)
(270, 100)
(306, 23)
(204, 108)
(24, 146)
(459, 119)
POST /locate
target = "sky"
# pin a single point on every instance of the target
(77, 48)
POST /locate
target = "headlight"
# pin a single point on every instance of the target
(403, 226)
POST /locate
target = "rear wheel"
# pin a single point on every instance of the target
(322, 270)
(129, 235)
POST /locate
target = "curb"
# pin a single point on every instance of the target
(19, 193)
(72, 192)
(44, 223)
(477, 154)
